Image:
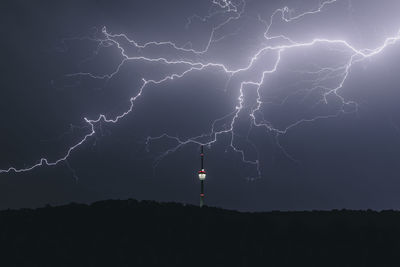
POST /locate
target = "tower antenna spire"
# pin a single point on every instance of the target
(202, 176)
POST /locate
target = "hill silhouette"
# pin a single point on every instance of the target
(145, 233)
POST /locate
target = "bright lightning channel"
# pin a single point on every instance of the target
(232, 11)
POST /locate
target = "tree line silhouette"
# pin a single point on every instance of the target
(146, 233)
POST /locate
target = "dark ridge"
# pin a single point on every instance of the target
(146, 233)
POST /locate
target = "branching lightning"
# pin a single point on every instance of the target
(277, 45)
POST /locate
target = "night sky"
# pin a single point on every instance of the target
(322, 131)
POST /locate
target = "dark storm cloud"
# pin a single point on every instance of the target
(345, 162)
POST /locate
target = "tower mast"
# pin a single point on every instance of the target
(202, 176)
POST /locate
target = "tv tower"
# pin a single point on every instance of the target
(202, 176)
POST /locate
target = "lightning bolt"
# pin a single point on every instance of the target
(328, 80)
